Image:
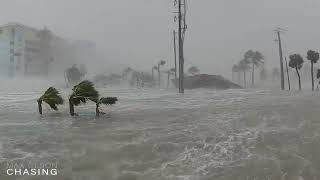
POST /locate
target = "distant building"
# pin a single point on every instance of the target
(26, 51)
(86, 54)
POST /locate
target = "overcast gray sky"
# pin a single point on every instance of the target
(139, 32)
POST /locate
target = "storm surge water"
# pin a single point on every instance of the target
(161, 135)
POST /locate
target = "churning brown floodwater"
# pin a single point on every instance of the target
(161, 135)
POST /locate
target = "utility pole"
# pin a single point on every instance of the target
(182, 10)
(279, 31)
(175, 56)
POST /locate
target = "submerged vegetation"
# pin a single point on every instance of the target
(81, 94)
(52, 97)
(105, 101)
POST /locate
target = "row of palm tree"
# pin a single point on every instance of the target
(81, 94)
(141, 76)
(253, 58)
(296, 62)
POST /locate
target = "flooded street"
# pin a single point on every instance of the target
(162, 135)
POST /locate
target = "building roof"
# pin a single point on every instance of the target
(15, 24)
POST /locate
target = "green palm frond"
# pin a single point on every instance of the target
(108, 100)
(52, 97)
(84, 91)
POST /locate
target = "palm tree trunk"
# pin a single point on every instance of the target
(168, 81)
(232, 75)
(299, 78)
(152, 72)
(288, 74)
(71, 107)
(312, 78)
(244, 79)
(252, 74)
(159, 78)
(40, 106)
(97, 109)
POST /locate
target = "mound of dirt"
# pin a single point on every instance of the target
(208, 81)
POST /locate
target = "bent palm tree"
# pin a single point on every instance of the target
(296, 62)
(313, 57)
(81, 93)
(52, 97)
(105, 101)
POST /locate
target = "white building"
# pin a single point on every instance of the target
(26, 51)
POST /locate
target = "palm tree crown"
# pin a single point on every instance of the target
(296, 61)
(257, 58)
(84, 91)
(52, 97)
(244, 65)
(108, 100)
(313, 56)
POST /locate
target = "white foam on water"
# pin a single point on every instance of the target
(159, 134)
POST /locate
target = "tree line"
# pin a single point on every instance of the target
(251, 59)
(254, 59)
(141, 79)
